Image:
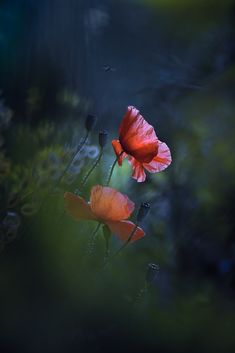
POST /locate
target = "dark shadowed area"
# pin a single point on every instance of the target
(61, 60)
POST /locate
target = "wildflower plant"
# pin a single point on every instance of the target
(107, 206)
(88, 195)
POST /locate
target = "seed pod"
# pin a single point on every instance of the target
(90, 122)
(143, 211)
(103, 138)
(152, 271)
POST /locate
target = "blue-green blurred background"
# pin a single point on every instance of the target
(175, 61)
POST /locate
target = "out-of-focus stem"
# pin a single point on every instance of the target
(92, 241)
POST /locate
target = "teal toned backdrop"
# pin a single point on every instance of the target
(59, 61)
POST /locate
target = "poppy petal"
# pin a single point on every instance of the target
(109, 204)
(123, 229)
(77, 207)
(118, 151)
(161, 161)
(138, 137)
(138, 170)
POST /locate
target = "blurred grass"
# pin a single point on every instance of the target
(53, 296)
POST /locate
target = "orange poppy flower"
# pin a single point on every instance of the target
(138, 142)
(108, 206)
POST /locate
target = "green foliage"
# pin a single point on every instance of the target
(52, 286)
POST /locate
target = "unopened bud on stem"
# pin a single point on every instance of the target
(152, 271)
(90, 122)
(103, 138)
(143, 211)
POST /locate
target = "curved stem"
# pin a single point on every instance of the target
(111, 171)
(112, 168)
(92, 168)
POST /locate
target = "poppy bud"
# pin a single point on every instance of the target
(152, 271)
(90, 122)
(143, 211)
(103, 138)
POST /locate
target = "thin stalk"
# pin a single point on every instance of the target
(107, 253)
(112, 169)
(93, 167)
(92, 240)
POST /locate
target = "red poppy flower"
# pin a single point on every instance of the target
(138, 142)
(108, 206)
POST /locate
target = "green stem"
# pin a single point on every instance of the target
(107, 252)
(106, 256)
(112, 168)
(92, 240)
(111, 171)
(93, 167)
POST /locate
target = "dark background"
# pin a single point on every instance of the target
(173, 60)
